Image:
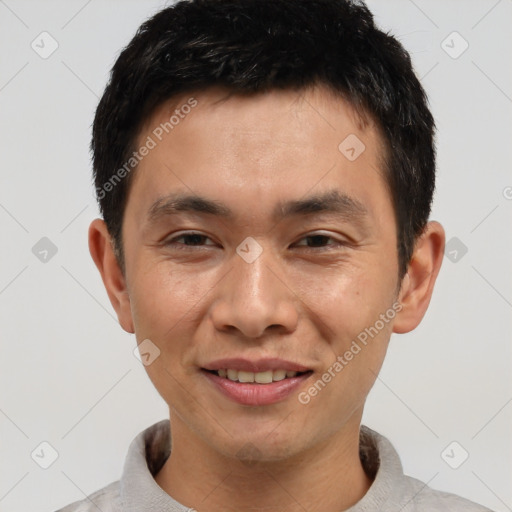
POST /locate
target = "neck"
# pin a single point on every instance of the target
(328, 477)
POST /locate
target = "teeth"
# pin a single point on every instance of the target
(260, 377)
(278, 374)
(246, 376)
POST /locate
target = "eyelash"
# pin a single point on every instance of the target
(182, 246)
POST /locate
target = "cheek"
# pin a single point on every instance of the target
(163, 297)
(167, 307)
(353, 311)
(163, 302)
(345, 298)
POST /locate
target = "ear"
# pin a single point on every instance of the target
(418, 284)
(101, 249)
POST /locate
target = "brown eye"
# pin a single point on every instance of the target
(189, 240)
(318, 241)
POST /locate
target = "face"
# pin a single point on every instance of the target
(259, 269)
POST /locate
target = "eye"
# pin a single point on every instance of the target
(319, 241)
(315, 241)
(190, 240)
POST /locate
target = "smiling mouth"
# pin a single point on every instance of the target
(265, 377)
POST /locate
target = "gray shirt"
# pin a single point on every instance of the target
(391, 490)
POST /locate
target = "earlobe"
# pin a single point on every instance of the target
(100, 247)
(418, 284)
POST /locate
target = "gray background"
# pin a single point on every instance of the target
(68, 375)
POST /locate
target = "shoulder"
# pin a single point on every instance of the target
(427, 499)
(106, 499)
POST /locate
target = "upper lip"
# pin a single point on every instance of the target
(255, 366)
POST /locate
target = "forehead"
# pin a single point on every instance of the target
(330, 109)
(279, 142)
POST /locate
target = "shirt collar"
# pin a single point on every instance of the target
(147, 453)
(151, 448)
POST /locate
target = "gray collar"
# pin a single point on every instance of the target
(151, 448)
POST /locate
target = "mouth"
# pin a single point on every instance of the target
(256, 388)
(263, 377)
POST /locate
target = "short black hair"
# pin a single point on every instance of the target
(254, 46)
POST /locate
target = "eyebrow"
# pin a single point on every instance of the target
(331, 201)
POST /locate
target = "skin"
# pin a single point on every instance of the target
(298, 300)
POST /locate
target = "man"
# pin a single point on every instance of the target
(265, 170)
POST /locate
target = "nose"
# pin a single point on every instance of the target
(255, 297)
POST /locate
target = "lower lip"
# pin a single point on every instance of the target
(254, 393)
